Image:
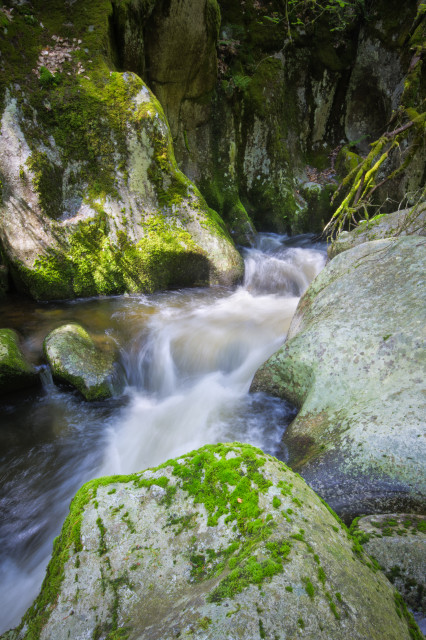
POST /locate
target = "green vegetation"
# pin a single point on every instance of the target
(391, 155)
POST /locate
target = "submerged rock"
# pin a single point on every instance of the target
(398, 542)
(224, 542)
(353, 363)
(15, 371)
(76, 359)
(411, 221)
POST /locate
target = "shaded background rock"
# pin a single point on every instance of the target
(76, 359)
(353, 363)
(224, 541)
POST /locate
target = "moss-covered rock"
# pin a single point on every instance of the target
(351, 364)
(316, 209)
(15, 371)
(92, 199)
(76, 359)
(398, 543)
(223, 542)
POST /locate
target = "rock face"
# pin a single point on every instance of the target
(286, 95)
(223, 542)
(76, 359)
(398, 542)
(353, 363)
(15, 371)
(91, 198)
(410, 221)
(92, 201)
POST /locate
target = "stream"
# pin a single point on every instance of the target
(187, 358)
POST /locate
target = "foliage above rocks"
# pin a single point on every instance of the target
(223, 540)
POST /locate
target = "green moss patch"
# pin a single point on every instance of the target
(15, 371)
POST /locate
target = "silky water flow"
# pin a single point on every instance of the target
(187, 359)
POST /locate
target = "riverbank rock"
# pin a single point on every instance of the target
(91, 198)
(15, 371)
(398, 543)
(353, 364)
(411, 221)
(76, 359)
(224, 542)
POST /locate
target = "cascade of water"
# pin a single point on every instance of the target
(188, 358)
(189, 377)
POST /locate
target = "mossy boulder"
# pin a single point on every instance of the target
(411, 221)
(222, 542)
(352, 364)
(398, 543)
(15, 371)
(92, 199)
(76, 359)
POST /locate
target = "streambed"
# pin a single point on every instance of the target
(187, 358)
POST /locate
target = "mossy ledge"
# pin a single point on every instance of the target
(208, 523)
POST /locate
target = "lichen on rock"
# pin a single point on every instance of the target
(398, 543)
(222, 541)
(76, 359)
(92, 199)
(352, 365)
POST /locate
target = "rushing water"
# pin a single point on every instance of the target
(186, 362)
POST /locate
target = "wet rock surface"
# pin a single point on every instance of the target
(223, 542)
(76, 359)
(353, 363)
(15, 371)
(398, 543)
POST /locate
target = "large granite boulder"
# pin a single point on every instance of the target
(398, 543)
(76, 359)
(224, 542)
(91, 199)
(411, 221)
(15, 371)
(354, 364)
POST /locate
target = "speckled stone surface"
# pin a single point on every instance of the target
(398, 542)
(223, 543)
(410, 221)
(354, 362)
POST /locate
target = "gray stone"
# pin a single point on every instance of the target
(398, 542)
(224, 542)
(411, 221)
(15, 371)
(354, 364)
(75, 358)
